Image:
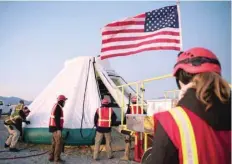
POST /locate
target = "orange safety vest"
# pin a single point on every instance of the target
(104, 119)
(133, 110)
(52, 117)
(196, 141)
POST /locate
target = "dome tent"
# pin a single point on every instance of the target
(79, 81)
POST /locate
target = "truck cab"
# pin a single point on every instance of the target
(5, 109)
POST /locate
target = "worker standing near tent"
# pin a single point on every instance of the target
(56, 123)
(132, 109)
(104, 118)
(198, 130)
(14, 127)
(20, 125)
(18, 107)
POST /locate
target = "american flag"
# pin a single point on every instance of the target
(155, 30)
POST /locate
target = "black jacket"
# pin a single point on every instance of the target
(102, 129)
(218, 117)
(57, 120)
(18, 121)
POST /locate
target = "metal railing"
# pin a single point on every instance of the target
(139, 85)
(140, 88)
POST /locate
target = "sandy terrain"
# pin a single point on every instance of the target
(72, 155)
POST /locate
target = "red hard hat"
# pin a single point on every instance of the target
(61, 97)
(134, 99)
(197, 60)
(105, 101)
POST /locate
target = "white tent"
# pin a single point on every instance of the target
(79, 82)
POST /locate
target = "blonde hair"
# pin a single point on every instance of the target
(209, 84)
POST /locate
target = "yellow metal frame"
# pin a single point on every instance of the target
(138, 84)
(174, 92)
(140, 91)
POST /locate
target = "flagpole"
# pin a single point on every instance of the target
(179, 19)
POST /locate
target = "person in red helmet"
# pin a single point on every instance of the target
(56, 123)
(104, 118)
(198, 130)
(132, 109)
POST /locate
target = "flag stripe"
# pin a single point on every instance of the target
(126, 23)
(122, 27)
(177, 48)
(138, 18)
(139, 44)
(108, 45)
(118, 39)
(140, 47)
(155, 30)
(123, 31)
(136, 34)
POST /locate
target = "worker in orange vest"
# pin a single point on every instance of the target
(56, 123)
(132, 109)
(104, 118)
(198, 130)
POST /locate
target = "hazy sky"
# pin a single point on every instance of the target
(37, 37)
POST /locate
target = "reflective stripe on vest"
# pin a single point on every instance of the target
(12, 120)
(17, 109)
(187, 136)
(52, 117)
(135, 110)
(104, 120)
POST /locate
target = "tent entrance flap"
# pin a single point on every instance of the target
(106, 94)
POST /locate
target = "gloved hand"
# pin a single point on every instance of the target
(11, 127)
(27, 122)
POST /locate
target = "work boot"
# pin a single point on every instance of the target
(60, 161)
(111, 157)
(51, 159)
(126, 156)
(14, 150)
(6, 146)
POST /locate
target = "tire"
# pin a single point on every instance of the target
(146, 156)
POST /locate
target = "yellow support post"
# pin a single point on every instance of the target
(122, 107)
(145, 142)
(142, 96)
(137, 97)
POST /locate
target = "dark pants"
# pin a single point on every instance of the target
(56, 148)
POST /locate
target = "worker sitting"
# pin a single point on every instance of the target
(14, 127)
(104, 118)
